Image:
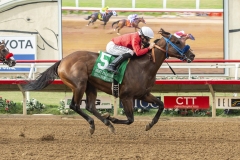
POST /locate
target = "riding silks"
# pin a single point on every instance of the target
(102, 62)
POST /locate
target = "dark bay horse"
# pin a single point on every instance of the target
(93, 17)
(75, 72)
(124, 22)
(5, 56)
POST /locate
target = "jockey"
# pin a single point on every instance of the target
(132, 17)
(125, 46)
(182, 34)
(104, 10)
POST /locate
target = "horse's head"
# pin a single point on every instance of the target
(5, 56)
(114, 13)
(142, 20)
(175, 47)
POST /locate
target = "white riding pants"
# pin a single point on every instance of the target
(117, 50)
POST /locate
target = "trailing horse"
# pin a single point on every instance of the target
(124, 22)
(97, 16)
(5, 56)
(75, 71)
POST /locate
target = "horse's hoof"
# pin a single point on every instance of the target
(148, 127)
(111, 129)
(114, 29)
(118, 34)
(105, 115)
(86, 25)
(91, 129)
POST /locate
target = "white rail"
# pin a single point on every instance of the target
(144, 10)
(234, 66)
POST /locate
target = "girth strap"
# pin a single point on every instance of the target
(115, 88)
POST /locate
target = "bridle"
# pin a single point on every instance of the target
(6, 57)
(182, 52)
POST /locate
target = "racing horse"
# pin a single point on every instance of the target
(5, 56)
(124, 22)
(75, 72)
(93, 17)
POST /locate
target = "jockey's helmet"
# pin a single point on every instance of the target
(146, 32)
(107, 7)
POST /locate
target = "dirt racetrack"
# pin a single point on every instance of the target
(51, 138)
(208, 32)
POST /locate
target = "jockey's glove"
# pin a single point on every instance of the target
(151, 45)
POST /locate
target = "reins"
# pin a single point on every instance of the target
(154, 59)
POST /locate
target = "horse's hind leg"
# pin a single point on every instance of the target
(89, 23)
(152, 99)
(115, 28)
(91, 95)
(76, 102)
(118, 31)
(120, 27)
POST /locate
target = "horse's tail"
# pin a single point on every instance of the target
(43, 80)
(114, 23)
(88, 17)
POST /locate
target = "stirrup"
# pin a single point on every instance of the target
(111, 69)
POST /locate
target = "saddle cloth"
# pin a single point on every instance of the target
(100, 16)
(128, 24)
(102, 62)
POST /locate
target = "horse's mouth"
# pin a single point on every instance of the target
(10, 62)
(189, 60)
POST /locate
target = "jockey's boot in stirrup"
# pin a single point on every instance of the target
(112, 67)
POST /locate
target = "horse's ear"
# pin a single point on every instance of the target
(162, 32)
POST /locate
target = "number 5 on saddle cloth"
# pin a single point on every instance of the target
(103, 60)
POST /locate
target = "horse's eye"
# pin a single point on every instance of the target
(4, 50)
(178, 42)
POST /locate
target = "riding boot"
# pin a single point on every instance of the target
(117, 61)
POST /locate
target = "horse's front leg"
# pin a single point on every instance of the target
(89, 23)
(104, 24)
(152, 99)
(137, 28)
(128, 109)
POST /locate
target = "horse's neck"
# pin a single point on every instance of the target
(149, 66)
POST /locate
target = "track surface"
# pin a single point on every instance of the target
(175, 138)
(208, 32)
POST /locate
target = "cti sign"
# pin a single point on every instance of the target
(23, 48)
(186, 102)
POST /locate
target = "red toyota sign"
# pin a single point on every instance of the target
(186, 102)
